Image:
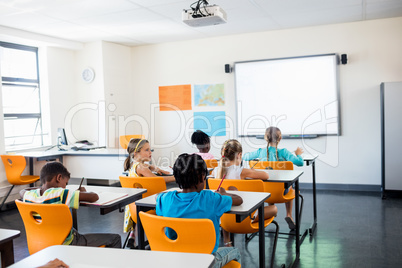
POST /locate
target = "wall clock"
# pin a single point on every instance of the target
(88, 75)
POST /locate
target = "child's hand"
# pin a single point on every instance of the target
(82, 189)
(299, 151)
(221, 191)
(164, 172)
(56, 263)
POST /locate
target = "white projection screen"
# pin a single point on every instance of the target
(298, 95)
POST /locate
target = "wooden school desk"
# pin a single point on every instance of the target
(289, 177)
(91, 257)
(251, 202)
(133, 194)
(6, 246)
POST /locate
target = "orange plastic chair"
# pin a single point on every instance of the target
(193, 235)
(228, 221)
(52, 230)
(154, 185)
(211, 163)
(124, 140)
(14, 166)
(277, 189)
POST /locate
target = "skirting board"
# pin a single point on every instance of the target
(342, 187)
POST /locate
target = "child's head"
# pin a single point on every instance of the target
(190, 171)
(273, 135)
(201, 140)
(52, 170)
(231, 151)
(139, 150)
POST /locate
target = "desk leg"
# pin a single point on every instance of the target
(297, 205)
(75, 224)
(31, 166)
(140, 230)
(261, 235)
(314, 225)
(7, 253)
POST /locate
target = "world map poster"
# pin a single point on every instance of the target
(209, 95)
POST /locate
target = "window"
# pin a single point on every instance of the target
(21, 96)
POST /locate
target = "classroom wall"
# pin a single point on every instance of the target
(373, 49)
(374, 54)
(118, 94)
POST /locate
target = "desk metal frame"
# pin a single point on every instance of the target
(311, 161)
(7, 246)
(288, 182)
(240, 216)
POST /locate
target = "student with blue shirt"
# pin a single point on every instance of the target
(273, 136)
(194, 202)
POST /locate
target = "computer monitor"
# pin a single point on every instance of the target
(62, 136)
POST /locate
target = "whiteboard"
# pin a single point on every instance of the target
(298, 95)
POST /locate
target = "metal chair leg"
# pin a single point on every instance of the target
(5, 198)
(125, 241)
(301, 207)
(275, 243)
(248, 238)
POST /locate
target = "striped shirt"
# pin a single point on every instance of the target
(55, 196)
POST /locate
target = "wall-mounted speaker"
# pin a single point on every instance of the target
(228, 69)
(344, 58)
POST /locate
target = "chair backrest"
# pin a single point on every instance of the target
(153, 185)
(124, 140)
(277, 165)
(193, 235)
(211, 163)
(241, 185)
(228, 221)
(14, 166)
(55, 224)
(276, 189)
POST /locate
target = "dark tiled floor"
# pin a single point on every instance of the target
(355, 229)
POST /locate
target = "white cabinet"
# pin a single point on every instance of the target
(391, 136)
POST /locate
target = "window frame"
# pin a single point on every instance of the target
(24, 82)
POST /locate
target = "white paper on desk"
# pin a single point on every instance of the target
(106, 197)
(82, 265)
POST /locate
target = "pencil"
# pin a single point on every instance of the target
(79, 187)
(255, 163)
(221, 182)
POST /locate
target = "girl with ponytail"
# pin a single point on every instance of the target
(139, 152)
(273, 136)
(229, 166)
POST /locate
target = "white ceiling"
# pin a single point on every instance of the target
(139, 22)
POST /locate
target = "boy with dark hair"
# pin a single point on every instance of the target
(194, 202)
(54, 178)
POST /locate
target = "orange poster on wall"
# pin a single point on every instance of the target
(172, 98)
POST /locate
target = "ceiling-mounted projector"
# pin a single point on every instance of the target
(204, 16)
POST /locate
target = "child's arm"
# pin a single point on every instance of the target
(251, 155)
(145, 171)
(236, 200)
(88, 196)
(295, 159)
(158, 170)
(254, 174)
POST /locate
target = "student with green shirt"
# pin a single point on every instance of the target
(54, 178)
